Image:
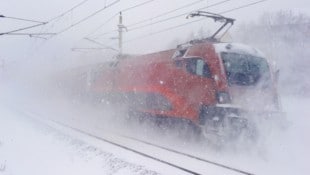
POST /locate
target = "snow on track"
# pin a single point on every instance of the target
(174, 159)
(28, 147)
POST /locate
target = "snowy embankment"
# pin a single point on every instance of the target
(28, 147)
(45, 142)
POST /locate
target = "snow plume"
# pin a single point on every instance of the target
(59, 89)
(284, 37)
(55, 90)
(53, 83)
(35, 148)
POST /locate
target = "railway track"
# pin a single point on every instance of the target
(191, 156)
(215, 168)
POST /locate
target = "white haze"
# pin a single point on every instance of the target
(282, 148)
(29, 82)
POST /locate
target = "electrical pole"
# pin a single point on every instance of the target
(120, 33)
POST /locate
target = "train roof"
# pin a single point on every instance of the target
(238, 48)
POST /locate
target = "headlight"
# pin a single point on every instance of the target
(223, 97)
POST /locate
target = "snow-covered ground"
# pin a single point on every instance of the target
(30, 147)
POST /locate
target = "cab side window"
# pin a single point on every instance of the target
(198, 67)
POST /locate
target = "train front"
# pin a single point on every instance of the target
(252, 83)
(251, 89)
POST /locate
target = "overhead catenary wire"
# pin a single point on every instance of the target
(22, 19)
(244, 6)
(69, 10)
(166, 13)
(89, 16)
(58, 17)
(100, 44)
(99, 27)
(163, 20)
(116, 14)
(40, 23)
(135, 6)
(28, 20)
(177, 16)
(88, 48)
(184, 24)
(31, 34)
(21, 29)
(35, 36)
(161, 31)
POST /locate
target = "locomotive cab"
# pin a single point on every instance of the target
(242, 84)
(250, 79)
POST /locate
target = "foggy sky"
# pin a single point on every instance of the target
(59, 47)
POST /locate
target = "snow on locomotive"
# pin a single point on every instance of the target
(205, 82)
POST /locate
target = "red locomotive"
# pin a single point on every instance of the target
(203, 82)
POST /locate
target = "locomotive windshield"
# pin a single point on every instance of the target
(242, 69)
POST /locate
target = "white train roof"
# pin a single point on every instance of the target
(238, 48)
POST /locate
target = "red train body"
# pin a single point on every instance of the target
(204, 82)
(196, 82)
